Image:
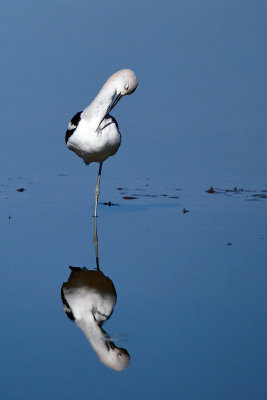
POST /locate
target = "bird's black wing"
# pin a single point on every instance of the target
(72, 126)
(66, 306)
(113, 121)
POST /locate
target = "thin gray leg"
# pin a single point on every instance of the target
(96, 244)
(97, 189)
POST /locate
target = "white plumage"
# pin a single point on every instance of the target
(93, 134)
(89, 298)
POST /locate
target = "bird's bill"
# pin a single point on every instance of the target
(112, 105)
(111, 345)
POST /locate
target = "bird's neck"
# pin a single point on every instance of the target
(96, 111)
(95, 334)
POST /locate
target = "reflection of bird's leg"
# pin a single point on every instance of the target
(98, 186)
(96, 244)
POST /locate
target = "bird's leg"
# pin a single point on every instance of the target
(97, 186)
(96, 244)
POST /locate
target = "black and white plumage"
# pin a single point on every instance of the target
(88, 299)
(93, 134)
(72, 126)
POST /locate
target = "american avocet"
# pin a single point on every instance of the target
(93, 134)
(88, 299)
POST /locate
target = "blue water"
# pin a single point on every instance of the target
(191, 292)
(191, 286)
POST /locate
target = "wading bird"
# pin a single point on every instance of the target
(89, 298)
(93, 134)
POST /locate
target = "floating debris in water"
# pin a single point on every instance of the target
(136, 193)
(239, 191)
(144, 195)
(20, 190)
(210, 190)
(108, 203)
(226, 191)
(235, 190)
(229, 244)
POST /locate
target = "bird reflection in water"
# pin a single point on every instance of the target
(88, 299)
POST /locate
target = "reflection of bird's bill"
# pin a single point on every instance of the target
(112, 105)
(112, 345)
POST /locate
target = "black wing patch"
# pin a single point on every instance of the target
(113, 121)
(67, 308)
(72, 126)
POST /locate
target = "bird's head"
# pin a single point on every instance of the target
(125, 82)
(117, 358)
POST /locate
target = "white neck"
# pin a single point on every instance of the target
(95, 335)
(96, 111)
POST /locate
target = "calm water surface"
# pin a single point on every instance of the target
(187, 289)
(191, 290)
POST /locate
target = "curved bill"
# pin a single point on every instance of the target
(112, 105)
